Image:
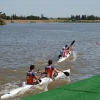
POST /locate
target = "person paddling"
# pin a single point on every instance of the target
(63, 50)
(31, 76)
(51, 70)
(98, 43)
(66, 51)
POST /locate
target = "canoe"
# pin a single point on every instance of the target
(44, 82)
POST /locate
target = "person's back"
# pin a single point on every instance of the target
(31, 76)
(63, 53)
(49, 69)
(63, 50)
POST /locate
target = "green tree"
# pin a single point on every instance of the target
(83, 17)
(2, 22)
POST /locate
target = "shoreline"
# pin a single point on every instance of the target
(52, 21)
(31, 21)
(86, 89)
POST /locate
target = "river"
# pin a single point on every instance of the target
(23, 44)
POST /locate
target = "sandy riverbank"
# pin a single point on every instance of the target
(50, 21)
(32, 21)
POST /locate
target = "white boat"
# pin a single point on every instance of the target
(44, 82)
(64, 58)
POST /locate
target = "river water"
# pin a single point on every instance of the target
(35, 43)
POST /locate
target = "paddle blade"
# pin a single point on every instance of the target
(66, 73)
(40, 80)
(72, 43)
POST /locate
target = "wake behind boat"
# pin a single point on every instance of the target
(44, 82)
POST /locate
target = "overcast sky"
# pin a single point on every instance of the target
(50, 8)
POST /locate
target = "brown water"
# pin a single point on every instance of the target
(24, 44)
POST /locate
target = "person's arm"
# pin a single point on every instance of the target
(57, 71)
(67, 51)
(38, 71)
(71, 48)
(36, 77)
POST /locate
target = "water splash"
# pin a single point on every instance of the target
(74, 56)
(9, 87)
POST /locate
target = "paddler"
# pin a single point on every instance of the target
(31, 76)
(51, 70)
(98, 43)
(63, 50)
(66, 51)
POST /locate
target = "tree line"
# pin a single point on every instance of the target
(84, 17)
(32, 17)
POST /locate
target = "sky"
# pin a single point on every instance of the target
(50, 8)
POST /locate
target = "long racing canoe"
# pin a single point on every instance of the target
(44, 82)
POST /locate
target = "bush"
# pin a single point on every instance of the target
(32, 22)
(12, 21)
(2, 22)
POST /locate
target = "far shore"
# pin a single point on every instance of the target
(52, 21)
(32, 21)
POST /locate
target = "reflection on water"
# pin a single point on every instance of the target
(24, 44)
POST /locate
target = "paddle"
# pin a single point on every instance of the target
(72, 43)
(44, 73)
(66, 73)
(41, 75)
(41, 72)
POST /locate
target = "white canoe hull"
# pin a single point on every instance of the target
(44, 81)
(64, 58)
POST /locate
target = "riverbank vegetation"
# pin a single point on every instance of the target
(2, 21)
(34, 19)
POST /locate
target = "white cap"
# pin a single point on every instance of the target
(63, 48)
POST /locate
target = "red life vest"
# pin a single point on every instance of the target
(30, 78)
(49, 70)
(64, 53)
